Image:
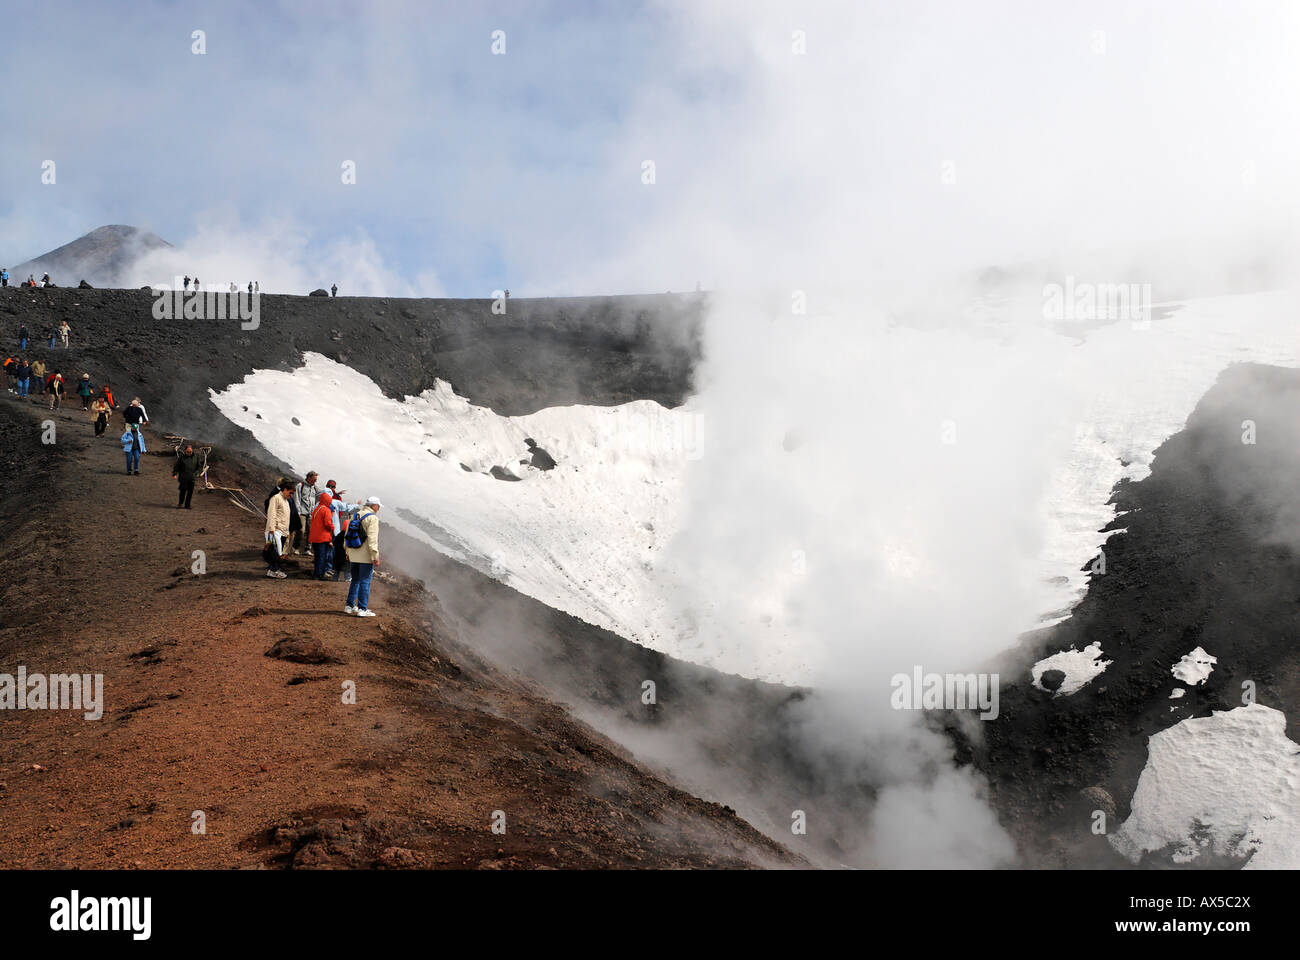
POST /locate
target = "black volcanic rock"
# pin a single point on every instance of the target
(1052, 679)
(83, 285)
(318, 292)
(540, 458)
(542, 353)
(1209, 555)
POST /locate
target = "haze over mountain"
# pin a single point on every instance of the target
(104, 257)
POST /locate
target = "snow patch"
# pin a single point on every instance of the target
(1227, 785)
(1079, 666)
(1195, 667)
(591, 537)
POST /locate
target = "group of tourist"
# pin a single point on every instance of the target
(341, 537)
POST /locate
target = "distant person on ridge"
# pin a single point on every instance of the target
(64, 330)
(46, 281)
(320, 533)
(4, 277)
(304, 497)
(334, 290)
(85, 390)
(250, 288)
(133, 446)
(187, 284)
(184, 471)
(362, 541)
(100, 412)
(277, 528)
(22, 335)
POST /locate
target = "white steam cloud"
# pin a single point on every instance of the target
(281, 258)
(872, 493)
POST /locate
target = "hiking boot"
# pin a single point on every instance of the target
(365, 613)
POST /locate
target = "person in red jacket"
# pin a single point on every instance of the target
(320, 534)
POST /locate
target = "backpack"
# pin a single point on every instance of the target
(356, 536)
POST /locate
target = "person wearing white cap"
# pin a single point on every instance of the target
(362, 542)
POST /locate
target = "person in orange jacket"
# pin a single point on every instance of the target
(320, 533)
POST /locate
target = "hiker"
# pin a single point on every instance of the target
(134, 415)
(196, 284)
(107, 392)
(46, 281)
(133, 446)
(38, 377)
(277, 527)
(100, 412)
(24, 377)
(187, 284)
(363, 553)
(184, 471)
(85, 390)
(22, 335)
(250, 288)
(31, 282)
(4, 277)
(340, 509)
(54, 387)
(64, 330)
(304, 496)
(334, 290)
(11, 372)
(320, 533)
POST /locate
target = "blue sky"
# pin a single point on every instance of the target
(476, 172)
(446, 136)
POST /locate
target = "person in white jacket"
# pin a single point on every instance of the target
(364, 558)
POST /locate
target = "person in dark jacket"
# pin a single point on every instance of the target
(185, 471)
(85, 390)
(22, 334)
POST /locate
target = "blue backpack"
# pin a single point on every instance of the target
(356, 536)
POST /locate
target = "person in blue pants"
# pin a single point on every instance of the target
(133, 446)
(362, 542)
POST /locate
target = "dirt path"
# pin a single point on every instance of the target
(97, 578)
